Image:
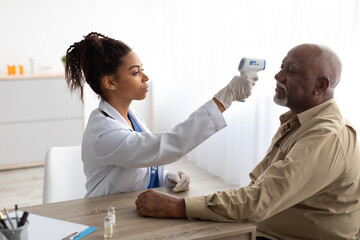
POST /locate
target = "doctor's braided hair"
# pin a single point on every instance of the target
(92, 58)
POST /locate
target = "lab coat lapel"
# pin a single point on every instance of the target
(113, 113)
(139, 121)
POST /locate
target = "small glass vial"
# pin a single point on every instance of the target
(111, 212)
(108, 227)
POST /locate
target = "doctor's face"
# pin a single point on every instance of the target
(131, 81)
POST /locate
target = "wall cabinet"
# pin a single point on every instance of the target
(37, 112)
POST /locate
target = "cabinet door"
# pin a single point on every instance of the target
(37, 114)
(24, 143)
(37, 99)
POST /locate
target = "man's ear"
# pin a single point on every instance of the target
(108, 82)
(322, 85)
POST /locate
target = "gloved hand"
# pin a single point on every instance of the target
(239, 88)
(180, 180)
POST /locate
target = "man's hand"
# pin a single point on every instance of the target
(156, 204)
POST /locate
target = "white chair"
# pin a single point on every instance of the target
(64, 177)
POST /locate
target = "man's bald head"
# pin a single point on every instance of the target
(308, 76)
(326, 62)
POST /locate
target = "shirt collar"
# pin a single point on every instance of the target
(306, 115)
(310, 113)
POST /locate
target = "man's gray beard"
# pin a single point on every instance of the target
(282, 102)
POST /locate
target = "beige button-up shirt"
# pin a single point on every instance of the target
(306, 187)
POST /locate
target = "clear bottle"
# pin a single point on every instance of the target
(111, 212)
(108, 227)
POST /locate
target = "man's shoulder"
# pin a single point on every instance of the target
(326, 115)
(326, 123)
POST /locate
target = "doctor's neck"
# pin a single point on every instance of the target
(121, 106)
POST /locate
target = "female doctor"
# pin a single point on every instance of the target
(119, 152)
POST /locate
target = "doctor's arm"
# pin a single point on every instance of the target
(219, 105)
(117, 146)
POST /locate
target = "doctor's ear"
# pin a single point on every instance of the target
(108, 82)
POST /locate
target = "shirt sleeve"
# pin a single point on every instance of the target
(315, 161)
(121, 147)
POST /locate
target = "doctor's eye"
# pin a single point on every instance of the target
(137, 72)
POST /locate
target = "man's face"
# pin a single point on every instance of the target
(296, 81)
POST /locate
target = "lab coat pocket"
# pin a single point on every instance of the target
(129, 179)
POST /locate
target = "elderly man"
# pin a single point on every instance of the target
(308, 184)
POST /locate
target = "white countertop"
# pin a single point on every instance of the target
(32, 76)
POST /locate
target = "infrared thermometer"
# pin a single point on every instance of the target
(250, 66)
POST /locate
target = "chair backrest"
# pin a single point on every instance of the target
(64, 177)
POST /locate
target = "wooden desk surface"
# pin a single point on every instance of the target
(129, 225)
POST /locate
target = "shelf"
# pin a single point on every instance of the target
(32, 76)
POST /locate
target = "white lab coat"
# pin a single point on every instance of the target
(117, 159)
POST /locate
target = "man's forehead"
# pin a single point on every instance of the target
(305, 50)
(292, 58)
(300, 54)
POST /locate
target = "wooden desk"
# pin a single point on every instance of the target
(129, 225)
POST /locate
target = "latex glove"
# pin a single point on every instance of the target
(238, 89)
(180, 180)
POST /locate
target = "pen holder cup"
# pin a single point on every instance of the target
(20, 233)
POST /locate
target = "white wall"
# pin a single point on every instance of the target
(173, 36)
(43, 30)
